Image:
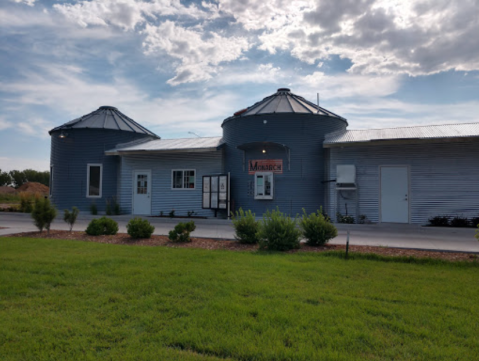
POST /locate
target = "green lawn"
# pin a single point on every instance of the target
(70, 300)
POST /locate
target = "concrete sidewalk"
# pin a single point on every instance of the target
(386, 235)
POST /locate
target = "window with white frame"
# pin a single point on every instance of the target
(263, 185)
(94, 180)
(183, 179)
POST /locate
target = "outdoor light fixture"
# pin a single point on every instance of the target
(264, 150)
(63, 135)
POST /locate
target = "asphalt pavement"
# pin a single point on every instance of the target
(386, 234)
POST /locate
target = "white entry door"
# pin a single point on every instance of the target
(142, 192)
(394, 194)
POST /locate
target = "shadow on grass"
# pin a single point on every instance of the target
(372, 257)
(397, 259)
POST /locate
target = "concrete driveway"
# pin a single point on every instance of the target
(386, 235)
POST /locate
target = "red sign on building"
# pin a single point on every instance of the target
(265, 165)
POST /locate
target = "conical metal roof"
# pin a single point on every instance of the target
(283, 101)
(106, 117)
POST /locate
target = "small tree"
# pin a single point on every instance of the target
(43, 214)
(71, 217)
(5, 178)
(18, 178)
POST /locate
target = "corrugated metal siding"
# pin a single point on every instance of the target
(444, 178)
(163, 197)
(70, 157)
(297, 188)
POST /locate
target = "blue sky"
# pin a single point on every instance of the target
(183, 66)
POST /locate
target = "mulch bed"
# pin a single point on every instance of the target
(224, 244)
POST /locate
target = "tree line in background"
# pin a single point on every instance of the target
(16, 178)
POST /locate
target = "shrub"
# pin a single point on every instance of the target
(102, 226)
(172, 213)
(344, 218)
(278, 232)
(139, 228)
(459, 221)
(477, 233)
(93, 209)
(439, 221)
(43, 214)
(246, 227)
(362, 219)
(182, 231)
(71, 217)
(27, 201)
(316, 229)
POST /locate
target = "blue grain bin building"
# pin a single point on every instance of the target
(282, 151)
(274, 153)
(81, 173)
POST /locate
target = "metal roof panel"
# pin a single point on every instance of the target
(283, 101)
(165, 145)
(106, 117)
(440, 131)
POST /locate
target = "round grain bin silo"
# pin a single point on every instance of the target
(274, 153)
(81, 173)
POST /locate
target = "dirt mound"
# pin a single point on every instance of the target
(7, 190)
(34, 187)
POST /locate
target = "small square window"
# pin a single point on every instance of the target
(184, 179)
(263, 185)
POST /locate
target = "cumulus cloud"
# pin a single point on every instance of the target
(378, 36)
(125, 14)
(199, 53)
(27, 2)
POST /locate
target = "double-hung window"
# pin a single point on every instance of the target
(263, 185)
(183, 179)
(94, 180)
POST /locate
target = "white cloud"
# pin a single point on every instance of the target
(26, 2)
(125, 14)
(262, 74)
(199, 53)
(413, 37)
(4, 124)
(36, 127)
(70, 92)
(350, 85)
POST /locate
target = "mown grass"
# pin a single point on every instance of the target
(68, 300)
